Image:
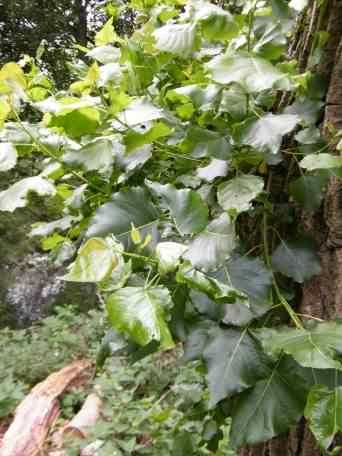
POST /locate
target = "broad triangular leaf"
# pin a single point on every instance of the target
(140, 313)
(213, 245)
(318, 346)
(253, 73)
(219, 291)
(106, 35)
(266, 133)
(234, 363)
(95, 261)
(201, 142)
(202, 97)
(321, 161)
(125, 208)
(176, 38)
(306, 109)
(216, 168)
(186, 206)
(267, 409)
(308, 192)
(96, 155)
(237, 194)
(217, 24)
(324, 413)
(138, 112)
(16, 195)
(250, 276)
(297, 259)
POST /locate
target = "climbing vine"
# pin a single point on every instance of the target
(184, 156)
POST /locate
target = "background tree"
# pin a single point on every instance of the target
(60, 24)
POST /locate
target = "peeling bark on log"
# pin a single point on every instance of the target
(81, 423)
(37, 412)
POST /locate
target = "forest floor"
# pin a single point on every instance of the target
(155, 406)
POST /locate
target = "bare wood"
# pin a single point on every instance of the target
(37, 412)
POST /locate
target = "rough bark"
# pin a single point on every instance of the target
(322, 296)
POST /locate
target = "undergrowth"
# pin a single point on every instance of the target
(149, 408)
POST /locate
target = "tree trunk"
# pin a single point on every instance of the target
(82, 23)
(322, 296)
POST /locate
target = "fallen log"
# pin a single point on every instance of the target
(82, 422)
(38, 411)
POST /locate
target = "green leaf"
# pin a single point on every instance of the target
(252, 73)
(234, 101)
(186, 206)
(217, 24)
(267, 409)
(77, 122)
(177, 39)
(206, 143)
(8, 156)
(214, 245)
(96, 155)
(121, 211)
(16, 195)
(203, 98)
(140, 313)
(168, 255)
(297, 259)
(109, 73)
(95, 261)
(216, 168)
(134, 139)
(321, 161)
(318, 346)
(308, 192)
(236, 195)
(306, 109)
(105, 54)
(324, 413)
(250, 276)
(266, 133)
(196, 340)
(46, 228)
(106, 35)
(219, 291)
(51, 242)
(139, 111)
(234, 362)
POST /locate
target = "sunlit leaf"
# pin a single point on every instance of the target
(321, 161)
(169, 255)
(16, 195)
(237, 194)
(176, 38)
(318, 346)
(266, 133)
(95, 261)
(252, 73)
(324, 413)
(8, 156)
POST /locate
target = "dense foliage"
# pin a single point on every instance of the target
(182, 172)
